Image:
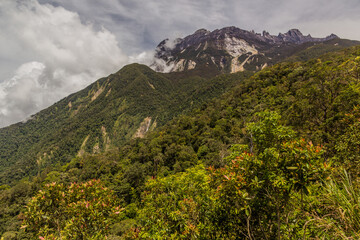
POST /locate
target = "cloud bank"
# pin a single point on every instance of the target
(61, 55)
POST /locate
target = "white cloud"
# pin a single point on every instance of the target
(146, 57)
(57, 54)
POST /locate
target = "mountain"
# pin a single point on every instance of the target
(103, 116)
(232, 49)
(136, 99)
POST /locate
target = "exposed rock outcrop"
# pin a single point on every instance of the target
(229, 48)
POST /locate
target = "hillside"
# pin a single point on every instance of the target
(273, 142)
(103, 116)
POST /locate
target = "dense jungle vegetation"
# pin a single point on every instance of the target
(276, 157)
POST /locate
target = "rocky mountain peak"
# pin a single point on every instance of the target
(230, 49)
(295, 36)
(295, 32)
(332, 36)
(202, 31)
(265, 33)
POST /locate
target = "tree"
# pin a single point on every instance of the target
(79, 211)
(177, 206)
(255, 189)
(348, 146)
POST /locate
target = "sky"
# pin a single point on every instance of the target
(52, 48)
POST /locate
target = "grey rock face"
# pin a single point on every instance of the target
(230, 49)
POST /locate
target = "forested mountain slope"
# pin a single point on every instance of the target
(271, 144)
(106, 114)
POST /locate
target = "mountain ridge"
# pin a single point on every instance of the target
(107, 113)
(231, 49)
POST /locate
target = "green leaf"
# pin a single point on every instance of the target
(292, 168)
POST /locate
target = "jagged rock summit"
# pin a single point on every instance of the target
(229, 49)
